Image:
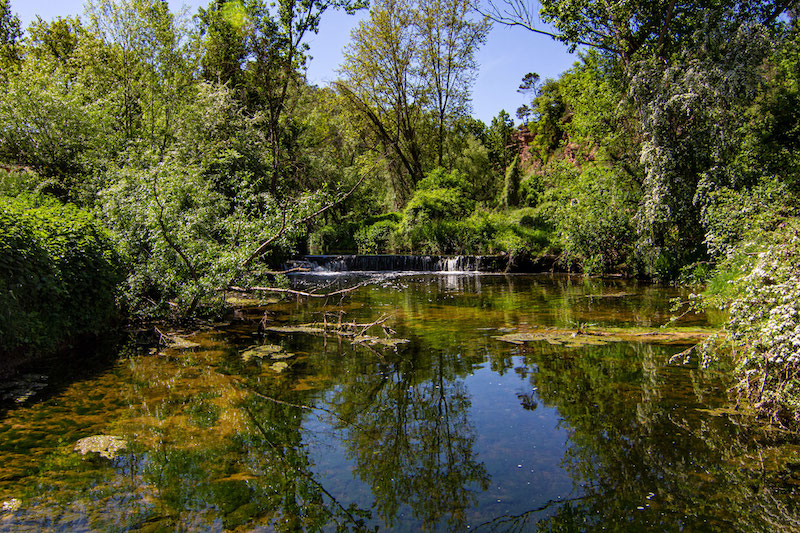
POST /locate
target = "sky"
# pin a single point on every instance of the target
(509, 53)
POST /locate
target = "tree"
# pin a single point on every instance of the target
(10, 35)
(626, 29)
(448, 42)
(147, 50)
(510, 195)
(382, 81)
(222, 31)
(262, 53)
(407, 71)
(499, 141)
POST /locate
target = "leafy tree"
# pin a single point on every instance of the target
(54, 127)
(223, 33)
(632, 28)
(510, 195)
(383, 83)
(690, 115)
(498, 140)
(10, 36)
(448, 42)
(407, 71)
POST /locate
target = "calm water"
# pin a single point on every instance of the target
(452, 430)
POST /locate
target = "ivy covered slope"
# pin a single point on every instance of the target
(58, 276)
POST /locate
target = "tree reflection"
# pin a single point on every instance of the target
(650, 448)
(411, 438)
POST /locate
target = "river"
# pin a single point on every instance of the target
(474, 401)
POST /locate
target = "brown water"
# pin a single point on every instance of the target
(453, 429)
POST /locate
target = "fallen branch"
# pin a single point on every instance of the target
(298, 293)
(367, 326)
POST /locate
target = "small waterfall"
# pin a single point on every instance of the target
(399, 263)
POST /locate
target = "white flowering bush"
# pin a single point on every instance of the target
(764, 325)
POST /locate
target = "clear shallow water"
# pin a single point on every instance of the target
(452, 430)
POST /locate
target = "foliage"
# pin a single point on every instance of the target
(379, 234)
(690, 116)
(440, 196)
(763, 329)
(407, 74)
(10, 34)
(591, 212)
(509, 197)
(58, 274)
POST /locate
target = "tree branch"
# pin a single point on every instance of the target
(299, 293)
(518, 13)
(262, 248)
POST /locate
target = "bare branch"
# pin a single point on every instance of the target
(520, 13)
(299, 293)
(264, 246)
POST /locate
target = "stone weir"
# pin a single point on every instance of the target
(401, 263)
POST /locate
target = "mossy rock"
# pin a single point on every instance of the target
(369, 339)
(107, 446)
(575, 338)
(559, 338)
(271, 351)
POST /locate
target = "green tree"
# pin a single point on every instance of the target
(10, 36)
(510, 195)
(499, 140)
(449, 39)
(383, 83)
(408, 71)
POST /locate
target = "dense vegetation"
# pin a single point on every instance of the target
(60, 273)
(669, 151)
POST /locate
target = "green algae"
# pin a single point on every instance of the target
(574, 338)
(270, 351)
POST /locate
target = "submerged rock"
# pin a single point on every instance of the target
(272, 351)
(107, 446)
(575, 338)
(280, 366)
(14, 504)
(179, 343)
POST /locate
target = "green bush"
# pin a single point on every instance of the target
(439, 196)
(334, 238)
(591, 211)
(58, 275)
(758, 286)
(377, 238)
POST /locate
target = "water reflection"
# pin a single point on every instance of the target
(452, 429)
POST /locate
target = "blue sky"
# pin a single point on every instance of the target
(508, 55)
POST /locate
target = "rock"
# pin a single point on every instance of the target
(12, 505)
(179, 343)
(280, 366)
(273, 351)
(107, 446)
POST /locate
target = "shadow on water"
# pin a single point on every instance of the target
(288, 429)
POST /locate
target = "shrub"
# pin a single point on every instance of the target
(333, 238)
(58, 274)
(762, 294)
(377, 238)
(591, 212)
(439, 196)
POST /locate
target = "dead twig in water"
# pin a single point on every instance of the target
(281, 290)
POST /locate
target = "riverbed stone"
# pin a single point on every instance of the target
(107, 446)
(12, 505)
